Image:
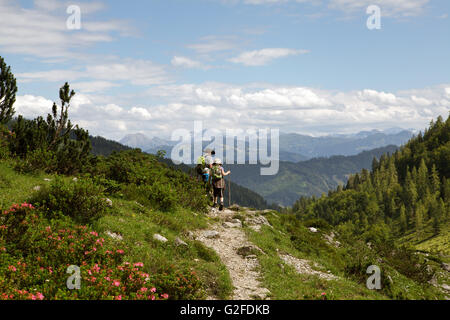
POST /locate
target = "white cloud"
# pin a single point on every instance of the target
(92, 86)
(41, 31)
(212, 44)
(264, 56)
(390, 8)
(225, 106)
(32, 106)
(102, 76)
(141, 112)
(184, 62)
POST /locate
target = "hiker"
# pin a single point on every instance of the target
(204, 166)
(218, 182)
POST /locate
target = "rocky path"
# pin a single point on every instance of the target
(227, 238)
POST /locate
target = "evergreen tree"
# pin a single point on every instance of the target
(435, 182)
(422, 179)
(403, 220)
(8, 89)
(419, 220)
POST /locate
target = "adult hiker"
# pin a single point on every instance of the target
(218, 182)
(204, 166)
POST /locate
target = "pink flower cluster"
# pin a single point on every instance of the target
(22, 294)
(15, 206)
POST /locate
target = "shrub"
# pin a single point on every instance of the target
(5, 136)
(179, 284)
(162, 196)
(35, 268)
(81, 200)
(147, 180)
(37, 160)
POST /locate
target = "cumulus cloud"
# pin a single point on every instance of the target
(264, 56)
(32, 106)
(225, 106)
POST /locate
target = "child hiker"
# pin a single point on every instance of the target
(218, 182)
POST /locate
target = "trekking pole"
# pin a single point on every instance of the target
(229, 195)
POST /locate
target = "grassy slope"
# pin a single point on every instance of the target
(137, 224)
(284, 283)
(431, 243)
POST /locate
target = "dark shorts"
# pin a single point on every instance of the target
(218, 192)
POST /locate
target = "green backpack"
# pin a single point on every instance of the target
(201, 164)
(217, 172)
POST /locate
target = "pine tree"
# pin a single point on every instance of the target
(403, 219)
(8, 89)
(419, 220)
(435, 182)
(422, 179)
(410, 190)
(60, 126)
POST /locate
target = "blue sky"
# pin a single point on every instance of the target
(309, 66)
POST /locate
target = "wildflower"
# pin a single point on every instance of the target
(120, 251)
(144, 289)
(94, 233)
(165, 296)
(153, 289)
(40, 296)
(139, 264)
(119, 297)
(116, 283)
(12, 268)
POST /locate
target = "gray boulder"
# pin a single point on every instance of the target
(159, 237)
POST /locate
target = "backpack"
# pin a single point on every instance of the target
(217, 172)
(201, 164)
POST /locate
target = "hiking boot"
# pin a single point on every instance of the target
(221, 207)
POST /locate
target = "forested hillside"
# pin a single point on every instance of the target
(407, 193)
(306, 178)
(104, 147)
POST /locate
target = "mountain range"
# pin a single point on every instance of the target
(295, 147)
